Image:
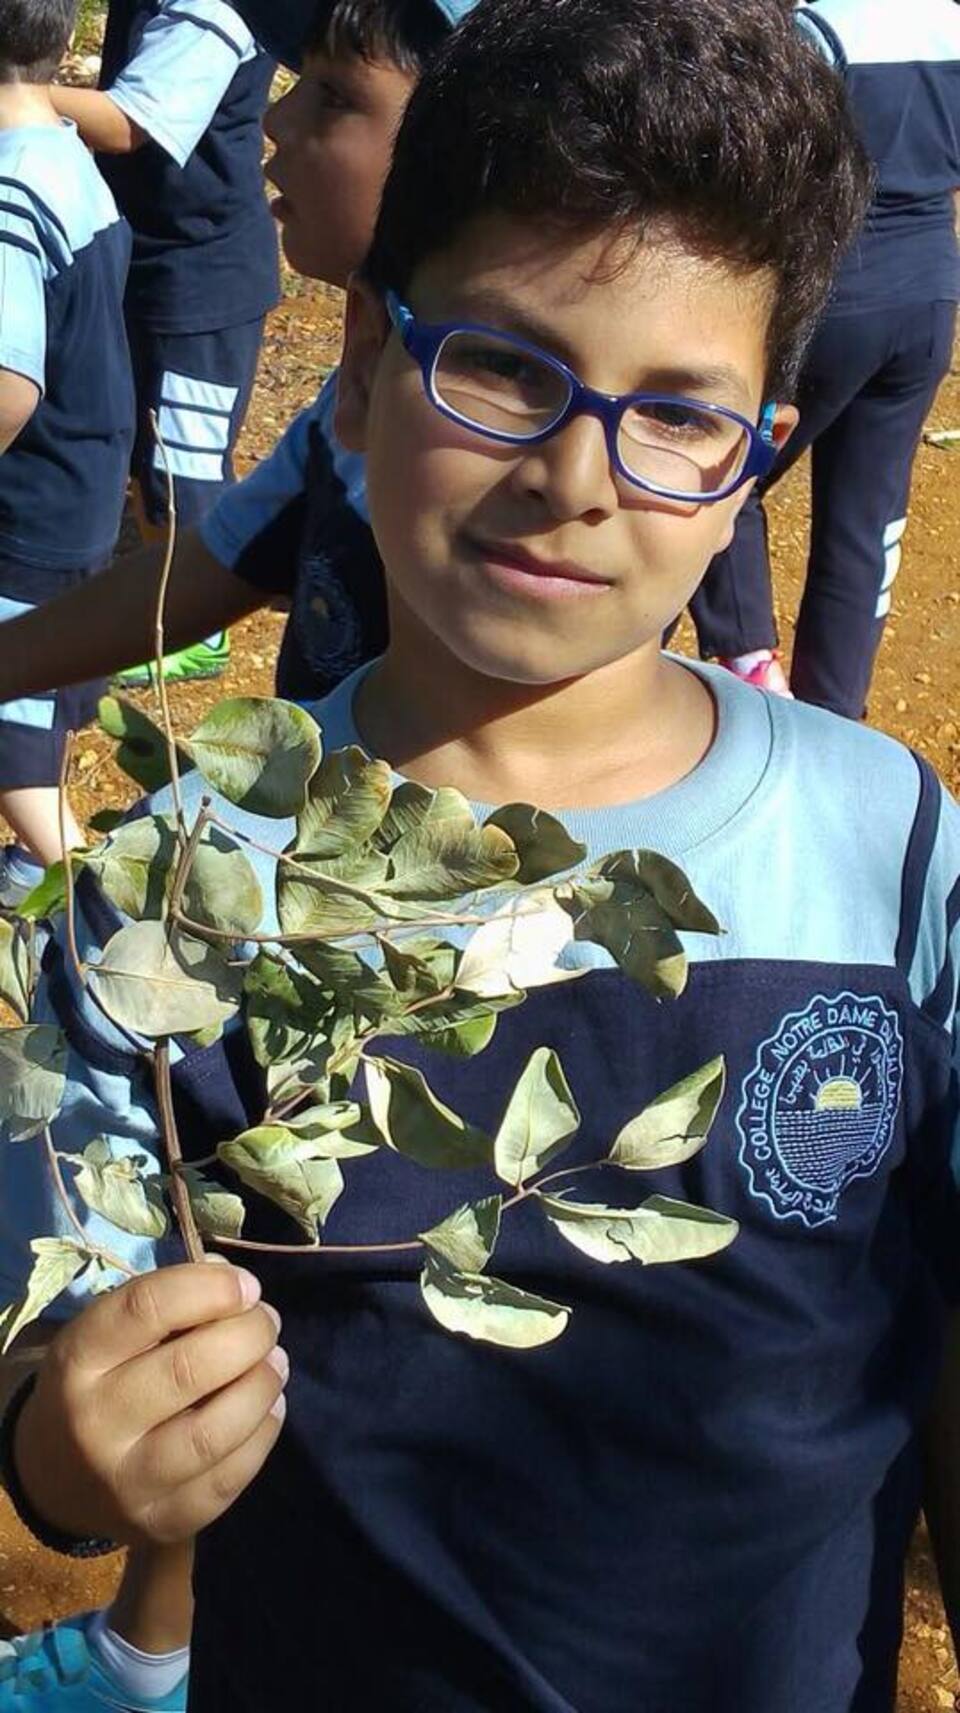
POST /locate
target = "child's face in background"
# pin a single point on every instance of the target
(334, 133)
(454, 514)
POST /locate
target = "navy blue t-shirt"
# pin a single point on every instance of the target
(191, 75)
(64, 252)
(698, 1499)
(901, 63)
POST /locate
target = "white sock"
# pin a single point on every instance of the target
(151, 1676)
(745, 663)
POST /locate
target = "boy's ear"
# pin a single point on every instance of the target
(366, 331)
(785, 421)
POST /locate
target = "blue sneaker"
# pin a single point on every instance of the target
(54, 1671)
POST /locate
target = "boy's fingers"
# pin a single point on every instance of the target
(160, 1385)
(143, 1314)
(199, 1440)
(205, 1499)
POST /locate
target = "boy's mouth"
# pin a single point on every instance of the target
(513, 568)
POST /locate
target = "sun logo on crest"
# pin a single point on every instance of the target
(838, 1094)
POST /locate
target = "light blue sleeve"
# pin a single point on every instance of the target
(23, 270)
(245, 510)
(185, 62)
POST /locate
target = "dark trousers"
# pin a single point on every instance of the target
(199, 386)
(867, 385)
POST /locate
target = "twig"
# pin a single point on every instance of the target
(70, 901)
(411, 1243)
(185, 864)
(158, 628)
(319, 1248)
(104, 1255)
(182, 1206)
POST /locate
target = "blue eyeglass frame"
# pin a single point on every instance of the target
(424, 340)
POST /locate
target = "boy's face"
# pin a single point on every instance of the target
(457, 517)
(334, 133)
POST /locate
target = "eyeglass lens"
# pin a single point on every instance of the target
(495, 385)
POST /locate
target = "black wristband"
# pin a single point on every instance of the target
(70, 1546)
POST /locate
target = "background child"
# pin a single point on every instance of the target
(296, 527)
(643, 200)
(177, 127)
(66, 403)
(873, 369)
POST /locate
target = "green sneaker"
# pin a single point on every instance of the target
(206, 659)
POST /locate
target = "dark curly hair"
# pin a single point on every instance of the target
(718, 116)
(408, 32)
(34, 35)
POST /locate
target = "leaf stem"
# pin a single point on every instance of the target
(185, 864)
(180, 1194)
(105, 1255)
(79, 966)
(320, 1248)
(410, 1243)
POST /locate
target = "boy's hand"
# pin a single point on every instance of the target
(155, 1408)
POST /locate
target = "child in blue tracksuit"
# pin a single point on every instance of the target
(178, 129)
(873, 369)
(564, 374)
(66, 403)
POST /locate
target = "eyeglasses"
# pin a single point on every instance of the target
(510, 391)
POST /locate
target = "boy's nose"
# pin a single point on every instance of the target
(571, 472)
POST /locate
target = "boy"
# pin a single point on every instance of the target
(296, 527)
(873, 369)
(700, 1497)
(177, 127)
(66, 402)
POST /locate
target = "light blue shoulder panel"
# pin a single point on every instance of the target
(186, 60)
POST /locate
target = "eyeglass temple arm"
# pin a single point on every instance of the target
(767, 419)
(400, 315)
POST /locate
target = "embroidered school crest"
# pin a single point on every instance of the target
(820, 1105)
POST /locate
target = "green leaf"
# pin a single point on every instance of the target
(289, 1170)
(452, 1027)
(468, 1237)
(446, 859)
(33, 1067)
(542, 842)
(348, 799)
(134, 866)
(489, 1310)
(57, 1263)
(659, 1230)
(218, 1212)
(335, 898)
(285, 1010)
(119, 1189)
(49, 896)
(14, 968)
(518, 948)
(415, 976)
(676, 1125)
(539, 1121)
(258, 752)
(222, 890)
(142, 751)
(340, 1130)
(157, 985)
(648, 871)
(641, 942)
(416, 1124)
(413, 807)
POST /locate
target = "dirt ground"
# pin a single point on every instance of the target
(916, 697)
